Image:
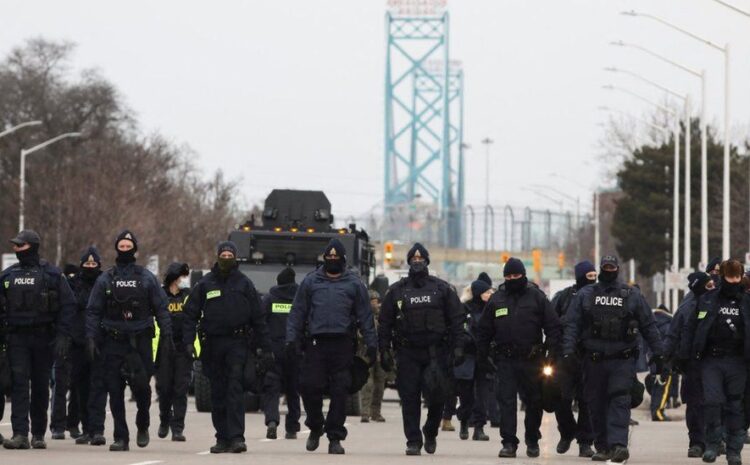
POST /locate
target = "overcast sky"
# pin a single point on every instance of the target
(290, 93)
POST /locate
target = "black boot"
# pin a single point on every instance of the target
(237, 446)
(17, 442)
(734, 459)
(413, 449)
(119, 445)
(220, 447)
(563, 446)
(98, 439)
(271, 430)
(479, 434)
(313, 441)
(143, 438)
(177, 435)
(695, 451)
(463, 432)
(38, 442)
(508, 451)
(532, 450)
(163, 431)
(620, 454)
(57, 434)
(290, 435)
(430, 444)
(335, 448)
(601, 456)
(83, 439)
(585, 450)
(74, 432)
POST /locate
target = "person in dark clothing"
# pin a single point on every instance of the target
(119, 328)
(74, 373)
(224, 309)
(422, 320)
(37, 314)
(478, 389)
(519, 320)
(571, 384)
(330, 304)
(282, 378)
(174, 368)
(603, 324)
(721, 341)
(662, 382)
(692, 389)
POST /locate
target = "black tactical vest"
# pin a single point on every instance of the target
(607, 314)
(29, 295)
(127, 298)
(728, 329)
(421, 310)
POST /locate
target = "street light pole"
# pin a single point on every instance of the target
(725, 249)
(22, 181)
(487, 142)
(15, 128)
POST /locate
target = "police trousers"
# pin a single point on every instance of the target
(283, 378)
(411, 363)
(607, 385)
(223, 359)
(514, 378)
(571, 387)
(97, 402)
(71, 375)
(118, 354)
(692, 395)
(326, 368)
(173, 373)
(30, 356)
(724, 381)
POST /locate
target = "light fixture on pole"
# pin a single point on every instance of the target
(22, 182)
(15, 128)
(725, 249)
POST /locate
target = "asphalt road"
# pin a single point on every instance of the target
(651, 443)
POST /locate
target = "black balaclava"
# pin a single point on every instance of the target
(581, 270)
(334, 265)
(287, 276)
(697, 282)
(478, 288)
(730, 290)
(90, 274)
(515, 266)
(712, 267)
(124, 258)
(608, 277)
(226, 265)
(418, 270)
(483, 276)
(30, 256)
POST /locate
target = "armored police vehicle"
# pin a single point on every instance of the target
(293, 230)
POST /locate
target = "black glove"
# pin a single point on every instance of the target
(372, 355)
(266, 361)
(62, 347)
(660, 363)
(386, 360)
(458, 356)
(91, 349)
(190, 349)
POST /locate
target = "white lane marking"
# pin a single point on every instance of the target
(5, 424)
(265, 440)
(148, 462)
(205, 452)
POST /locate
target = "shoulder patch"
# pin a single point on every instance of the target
(702, 314)
(501, 312)
(213, 294)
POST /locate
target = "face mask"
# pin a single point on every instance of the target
(730, 289)
(608, 277)
(333, 266)
(580, 283)
(418, 267)
(226, 264)
(90, 274)
(29, 256)
(516, 285)
(125, 257)
(184, 283)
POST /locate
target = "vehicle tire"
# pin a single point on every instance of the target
(353, 407)
(202, 389)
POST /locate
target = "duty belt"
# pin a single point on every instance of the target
(510, 351)
(724, 351)
(622, 355)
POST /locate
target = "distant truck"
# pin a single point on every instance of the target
(295, 227)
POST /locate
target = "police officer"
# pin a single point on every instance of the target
(422, 319)
(722, 342)
(571, 378)
(38, 308)
(120, 323)
(475, 404)
(516, 318)
(372, 393)
(282, 377)
(605, 320)
(662, 382)
(329, 302)
(226, 308)
(692, 389)
(173, 368)
(74, 373)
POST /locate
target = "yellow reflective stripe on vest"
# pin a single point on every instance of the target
(281, 308)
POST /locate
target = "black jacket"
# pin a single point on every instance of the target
(222, 305)
(578, 325)
(518, 322)
(397, 323)
(277, 305)
(176, 307)
(673, 340)
(81, 291)
(708, 312)
(331, 306)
